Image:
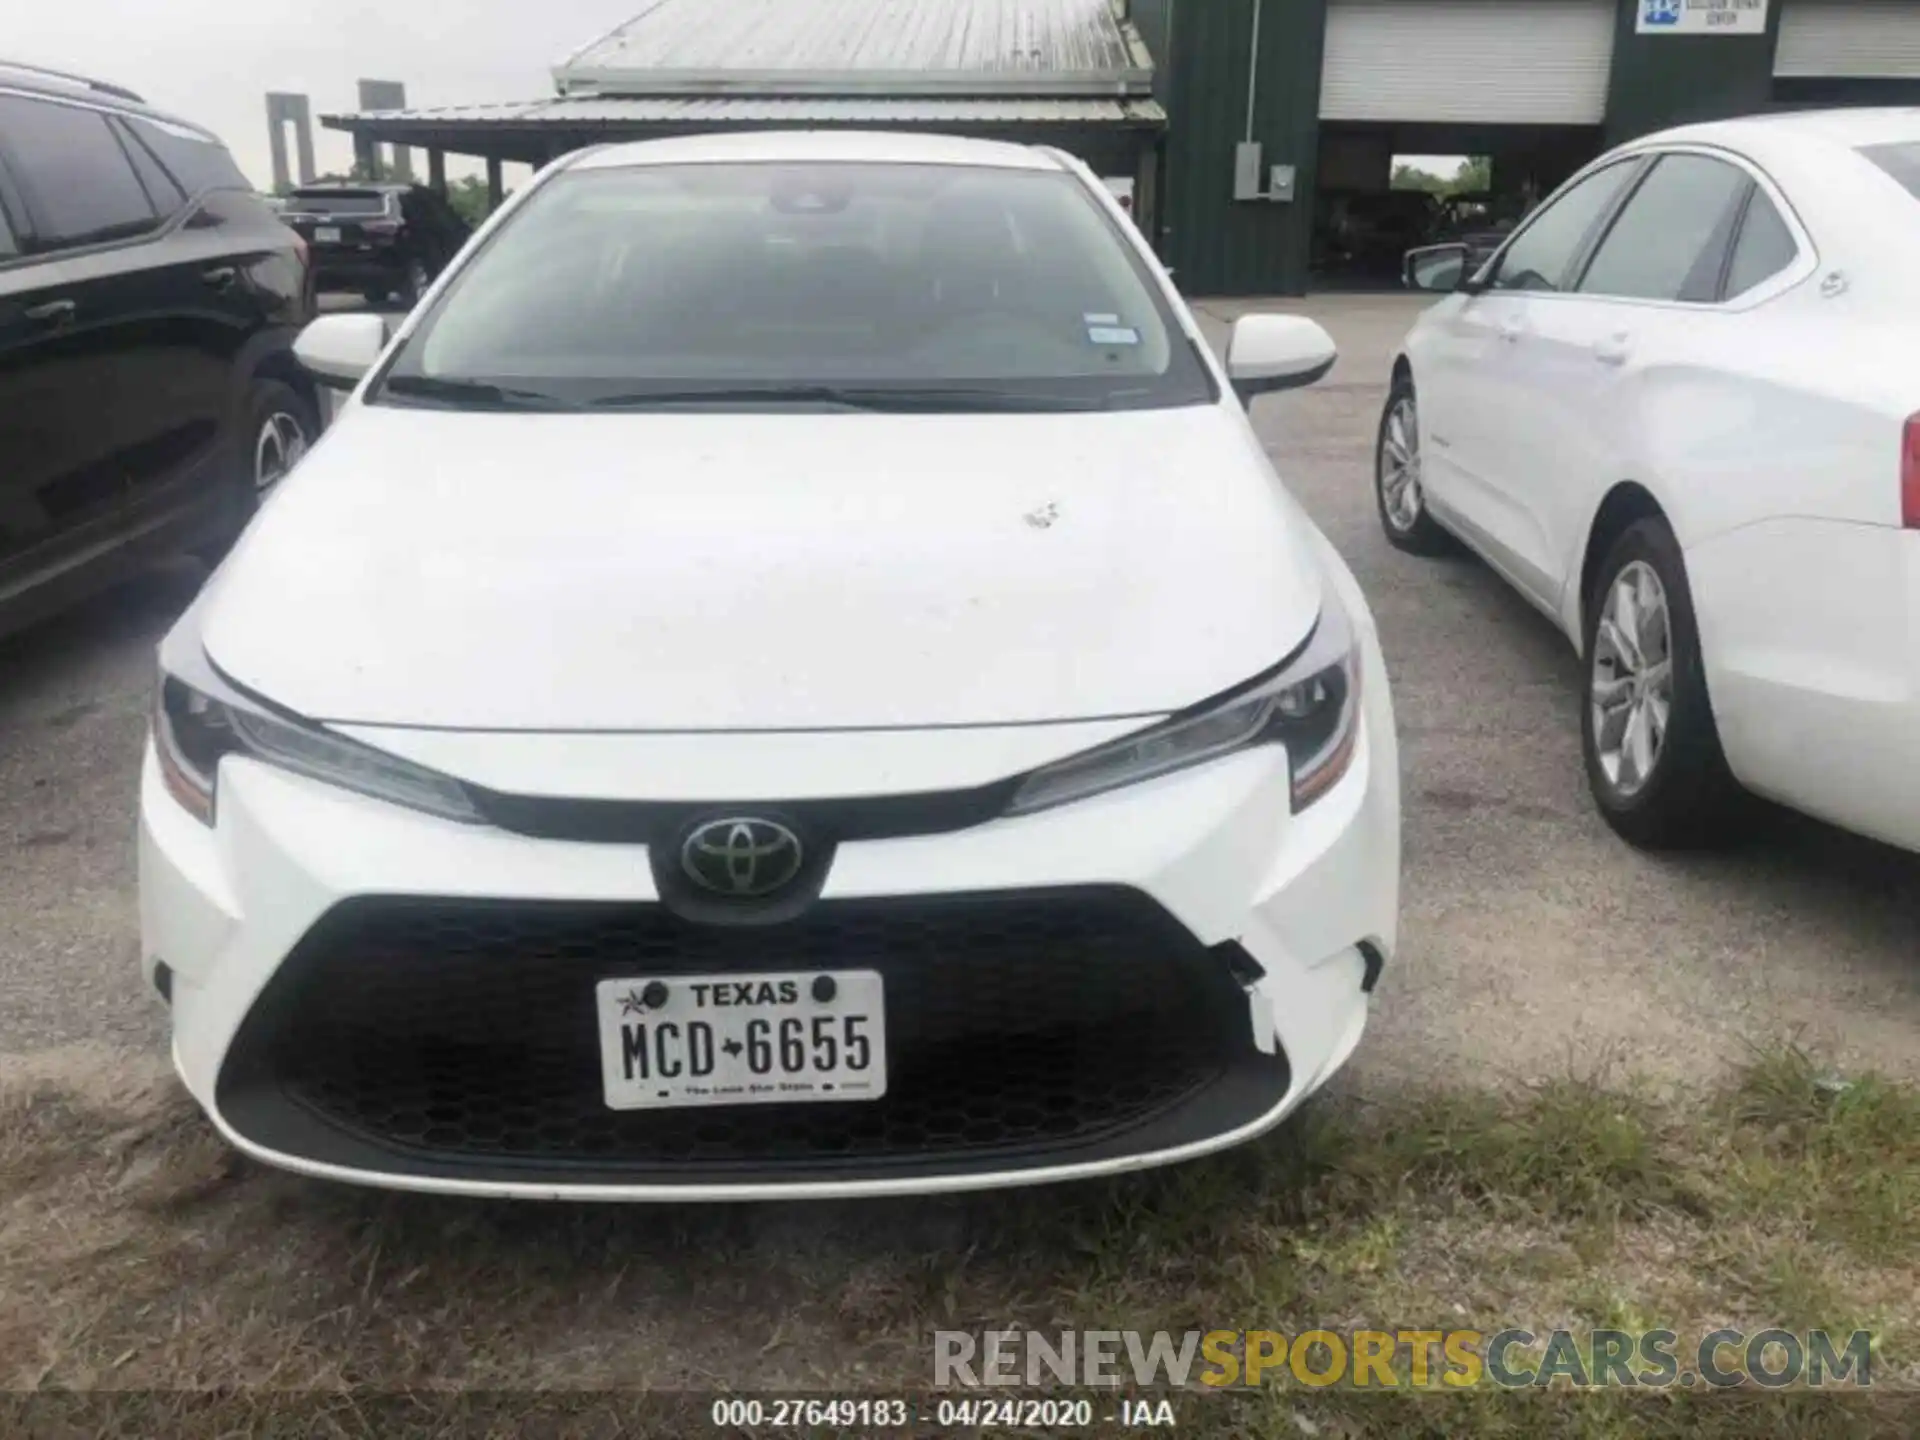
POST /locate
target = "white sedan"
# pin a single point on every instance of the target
(1677, 412)
(791, 675)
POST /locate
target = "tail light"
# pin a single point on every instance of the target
(1910, 476)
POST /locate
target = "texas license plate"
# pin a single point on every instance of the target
(326, 234)
(795, 1037)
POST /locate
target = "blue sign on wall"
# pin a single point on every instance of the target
(1702, 17)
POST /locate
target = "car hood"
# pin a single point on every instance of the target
(764, 571)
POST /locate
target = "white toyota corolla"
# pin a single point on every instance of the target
(1680, 412)
(791, 675)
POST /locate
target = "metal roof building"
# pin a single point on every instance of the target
(865, 47)
(1072, 73)
(1276, 167)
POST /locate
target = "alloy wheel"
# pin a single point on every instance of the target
(278, 448)
(1400, 465)
(1631, 691)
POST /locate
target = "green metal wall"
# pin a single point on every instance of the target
(1662, 80)
(1216, 245)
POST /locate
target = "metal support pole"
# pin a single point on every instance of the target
(1146, 194)
(1253, 68)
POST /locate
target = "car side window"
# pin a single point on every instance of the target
(9, 247)
(1670, 240)
(1542, 254)
(197, 162)
(161, 188)
(1764, 249)
(81, 189)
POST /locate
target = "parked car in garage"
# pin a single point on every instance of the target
(148, 305)
(1679, 412)
(1481, 223)
(381, 241)
(1362, 235)
(792, 675)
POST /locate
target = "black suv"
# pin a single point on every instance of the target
(378, 241)
(148, 304)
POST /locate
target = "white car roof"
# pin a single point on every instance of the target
(869, 146)
(1798, 130)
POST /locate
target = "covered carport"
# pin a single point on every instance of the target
(1069, 73)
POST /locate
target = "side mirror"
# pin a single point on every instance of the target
(1437, 269)
(1277, 352)
(339, 350)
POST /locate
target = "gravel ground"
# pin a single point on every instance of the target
(1532, 939)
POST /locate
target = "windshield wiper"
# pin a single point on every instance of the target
(474, 394)
(883, 398)
(730, 395)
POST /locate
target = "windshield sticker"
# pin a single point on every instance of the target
(1112, 335)
(1103, 319)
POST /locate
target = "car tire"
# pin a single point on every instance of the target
(375, 296)
(1396, 477)
(279, 427)
(1651, 745)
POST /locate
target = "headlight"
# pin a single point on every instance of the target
(1310, 705)
(193, 731)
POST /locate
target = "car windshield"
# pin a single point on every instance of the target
(338, 202)
(752, 285)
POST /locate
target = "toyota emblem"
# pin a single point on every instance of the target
(741, 857)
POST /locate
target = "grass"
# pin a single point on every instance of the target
(137, 1255)
(1842, 1155)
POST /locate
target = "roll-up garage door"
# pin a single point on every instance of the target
(1857, 39)
(1497, 62)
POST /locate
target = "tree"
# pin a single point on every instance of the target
(1475, 177)
(1412, 177)
(468, 196)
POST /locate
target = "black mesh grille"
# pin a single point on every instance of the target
(465, 1033)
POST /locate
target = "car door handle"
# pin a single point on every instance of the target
(220, 277)
(54, 312)
(1510, 332)
(1614, 349)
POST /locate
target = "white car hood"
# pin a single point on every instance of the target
(764, 571)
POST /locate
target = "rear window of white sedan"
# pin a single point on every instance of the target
(988, 287)
(1901, 161)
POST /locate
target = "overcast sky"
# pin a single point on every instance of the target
(214, 60)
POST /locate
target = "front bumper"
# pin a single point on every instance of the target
(1208, 954)
(458, 1041)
